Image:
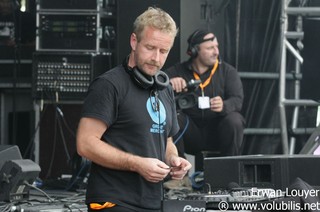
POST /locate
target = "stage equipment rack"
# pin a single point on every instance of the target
(75, 42)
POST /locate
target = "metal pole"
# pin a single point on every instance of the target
(282, 80)
(295, 115)
(37, 111)
(305, 11)
(271, 76)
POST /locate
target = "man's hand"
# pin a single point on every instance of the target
(216, 104)
(151, 169)
(179, 167)
(178, 84)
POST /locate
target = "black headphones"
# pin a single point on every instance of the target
(159, 81)
(192, 50)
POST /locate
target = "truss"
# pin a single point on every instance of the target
(286, 47)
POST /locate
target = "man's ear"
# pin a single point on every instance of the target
(133, 41)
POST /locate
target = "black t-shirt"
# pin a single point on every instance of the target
(134, 126)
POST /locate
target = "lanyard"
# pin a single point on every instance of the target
(206, 83)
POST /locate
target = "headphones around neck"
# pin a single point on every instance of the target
(159, 81)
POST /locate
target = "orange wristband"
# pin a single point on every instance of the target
(97, 206)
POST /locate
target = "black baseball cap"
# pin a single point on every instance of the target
(197, 37)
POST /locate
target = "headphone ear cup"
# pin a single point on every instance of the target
(194, 51)
(161, 80)
(193, 48)
(143, 81)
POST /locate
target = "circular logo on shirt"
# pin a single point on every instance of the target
(156, 110)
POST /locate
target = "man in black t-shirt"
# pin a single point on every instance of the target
(127, 124)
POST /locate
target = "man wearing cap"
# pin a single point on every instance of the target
(214, 122)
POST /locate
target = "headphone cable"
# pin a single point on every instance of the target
(161, 144)
(183, 131)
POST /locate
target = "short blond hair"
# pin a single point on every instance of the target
(156, 18)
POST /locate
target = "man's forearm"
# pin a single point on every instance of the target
(171, 150)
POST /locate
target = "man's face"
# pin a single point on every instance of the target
(152, 50)
(208, 51)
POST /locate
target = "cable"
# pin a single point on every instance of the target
(184, 130)
(57, 124)
(157, 109)
(197, 180)
(40, 190)
(74, 179)
(63, 138)
(66, 123)
(6, 207)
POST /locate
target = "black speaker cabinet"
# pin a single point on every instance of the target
(262, 171)
(9, 152)
(17, 176)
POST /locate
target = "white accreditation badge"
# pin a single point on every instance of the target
(203, 102)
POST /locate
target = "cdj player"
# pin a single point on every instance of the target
(234, 195)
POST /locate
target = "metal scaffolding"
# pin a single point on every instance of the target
(298, 12)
